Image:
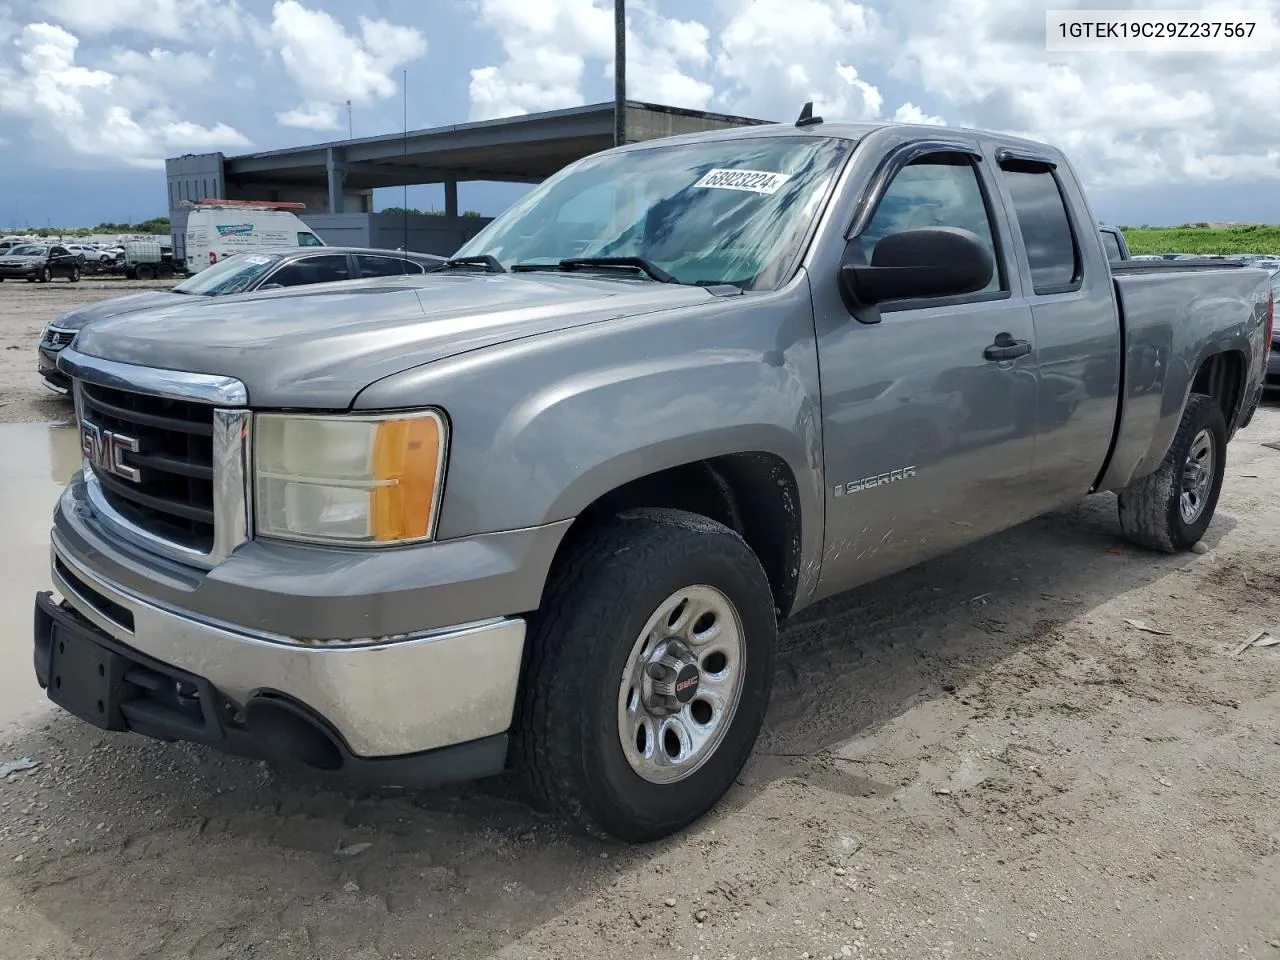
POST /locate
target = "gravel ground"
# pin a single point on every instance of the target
(1040, 746)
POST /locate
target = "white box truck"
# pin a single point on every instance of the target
(216, 229)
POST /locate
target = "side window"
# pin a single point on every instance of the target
(308, 239)
(312, 270)
(940, 190)
(1111, 245)
(1041, 212)
(369, 266)
(412, 266)
(60, 252)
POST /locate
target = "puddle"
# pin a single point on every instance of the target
(39, 459)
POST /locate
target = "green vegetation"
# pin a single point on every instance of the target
(158, 225)
(1202, 238)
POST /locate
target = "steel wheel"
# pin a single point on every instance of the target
(681, 684)
(1197, 477)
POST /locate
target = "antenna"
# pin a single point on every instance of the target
(806, 118)
(404, 82)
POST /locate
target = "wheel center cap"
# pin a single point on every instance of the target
(687, 681)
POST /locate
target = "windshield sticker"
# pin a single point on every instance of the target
(752, 181)
(256, 260)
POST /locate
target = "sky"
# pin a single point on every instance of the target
(94, 94)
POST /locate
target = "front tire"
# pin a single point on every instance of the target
(1170, 510)
(46, 275)
(74, 276)
(650, 667)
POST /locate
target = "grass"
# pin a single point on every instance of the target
(1202, 238)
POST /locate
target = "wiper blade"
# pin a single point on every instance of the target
(571, 264)
(633, 263)
(486, 260)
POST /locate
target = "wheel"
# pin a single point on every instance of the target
(45, 275)
(145, 272)
(1170, 509)
(649, 672)
(165, 272)
(75, 275)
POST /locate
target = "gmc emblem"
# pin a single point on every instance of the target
(105, 451)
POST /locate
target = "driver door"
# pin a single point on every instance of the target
(927, 436)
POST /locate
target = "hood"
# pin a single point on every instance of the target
(318, 349)
(114, 307)
(9, 260)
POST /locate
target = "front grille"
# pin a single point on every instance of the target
(57, 339)
(174, 496)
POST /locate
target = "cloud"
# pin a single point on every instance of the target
(331, 66)
(773, 55)
(545, 46)
(1126, 119)
(312, 116)
(910, 113)
(168, 19)
(96, 112)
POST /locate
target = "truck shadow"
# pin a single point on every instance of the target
(178, 851)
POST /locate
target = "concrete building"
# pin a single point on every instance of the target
(336, 180)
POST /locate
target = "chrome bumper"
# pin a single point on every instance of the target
(387, 698)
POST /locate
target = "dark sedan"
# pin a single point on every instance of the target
(242, 273)
(39, 261)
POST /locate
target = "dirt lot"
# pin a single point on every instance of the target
(988, 756)
(24, 310)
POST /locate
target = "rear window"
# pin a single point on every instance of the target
(1046, 231)
(1111, 245)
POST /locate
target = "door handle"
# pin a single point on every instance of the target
(1006, 348)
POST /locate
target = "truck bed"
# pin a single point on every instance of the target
(1173, 315)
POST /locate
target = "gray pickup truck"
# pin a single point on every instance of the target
(546, 508)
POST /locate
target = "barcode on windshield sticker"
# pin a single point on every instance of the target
(752, 181)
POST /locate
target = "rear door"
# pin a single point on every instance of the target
(1077, 325)
(927, 441)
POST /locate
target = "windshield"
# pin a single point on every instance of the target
(29, 250)
(727, 211)
(232, 275)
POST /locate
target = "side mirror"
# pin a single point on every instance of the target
(927, 262)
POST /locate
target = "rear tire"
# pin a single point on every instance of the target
(1170, 510)
(612, 740)
(145, 272)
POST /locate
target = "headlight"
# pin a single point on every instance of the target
(348, 479)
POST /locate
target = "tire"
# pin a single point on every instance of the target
(75, 275)
(46, 275)
(577, 693)
(165, 272)
(1151, 507)
(145, 272)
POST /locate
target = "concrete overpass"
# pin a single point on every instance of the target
(336, 180)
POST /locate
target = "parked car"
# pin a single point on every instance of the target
(87, 253)
(241, 273)
(547, 505)
(39, 261)
(1273, 360)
